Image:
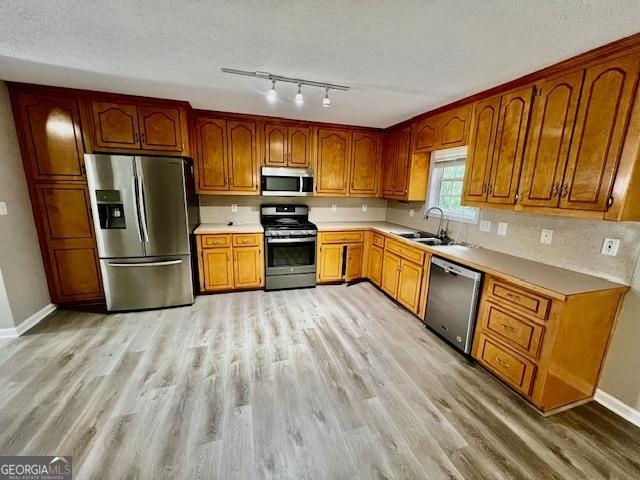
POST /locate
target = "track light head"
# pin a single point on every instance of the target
(271, 94)
(326, 101)
(299, 97)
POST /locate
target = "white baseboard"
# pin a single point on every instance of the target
(29, 323)
(616, 406)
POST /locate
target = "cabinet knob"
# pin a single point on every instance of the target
(555, 190)
(565, 191)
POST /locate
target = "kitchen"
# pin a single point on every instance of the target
(310, 289)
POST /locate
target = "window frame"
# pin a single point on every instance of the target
(436, 170)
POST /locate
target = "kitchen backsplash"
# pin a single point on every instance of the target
(576, 243)
(217, 209)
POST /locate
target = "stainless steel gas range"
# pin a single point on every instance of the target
(290, 246)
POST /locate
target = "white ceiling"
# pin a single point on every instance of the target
(400, 57)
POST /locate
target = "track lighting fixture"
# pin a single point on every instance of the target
(299, 99)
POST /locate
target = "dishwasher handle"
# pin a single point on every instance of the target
(455, 269)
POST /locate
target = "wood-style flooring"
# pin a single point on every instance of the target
(334, 382)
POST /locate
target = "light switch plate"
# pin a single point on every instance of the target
(610, 247)
(334, 207)
(546, 236)
(364, 207)
(411, 212)
(234, 207)
(3, 208)
(485, 226)
(502, 229)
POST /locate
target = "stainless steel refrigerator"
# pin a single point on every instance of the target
(143, 224)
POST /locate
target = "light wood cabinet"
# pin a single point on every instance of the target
(365, 164)
(353, 268)
(121, 126)
(409, 282)
(287, 145)
(230, 262)
(404, 175)
(330, 263)
(374, 267)
(390, 273)
(226, 156)
(496, 149)
(333, 159)
(444, 130)
(340, 256)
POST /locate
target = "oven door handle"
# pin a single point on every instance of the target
(291, 240)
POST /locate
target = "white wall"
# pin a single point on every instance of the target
(20, 257)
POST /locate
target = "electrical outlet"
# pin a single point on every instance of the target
(502, 229)
(411, 212)
(485, 226)
(234, 207)
(3, 208)
(610, 247)
(334, 207)
(546, 236)
(364, 207)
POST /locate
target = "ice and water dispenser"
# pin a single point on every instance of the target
(110, 209)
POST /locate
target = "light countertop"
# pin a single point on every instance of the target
(204, 228)
(554, 281)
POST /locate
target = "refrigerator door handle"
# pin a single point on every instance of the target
(151, 264)
(134, 191)
(141, 206)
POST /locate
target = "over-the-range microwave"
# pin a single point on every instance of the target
(287, 182)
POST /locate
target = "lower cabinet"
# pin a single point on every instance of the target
(390, 273)
(340, 256)
(402, 280)
(374, 267)
(230, 261)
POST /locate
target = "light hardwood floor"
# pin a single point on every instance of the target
(334, 382)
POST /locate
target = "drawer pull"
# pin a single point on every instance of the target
(508, 328)
(502, 362)
(512, 296)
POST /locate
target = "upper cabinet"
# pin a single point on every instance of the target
(365, 164)
(496, 148)
(287, 145)
(226, 155)
(443, 130)
(404, 174)
(52, 139)
(333, 158)
(128, 127)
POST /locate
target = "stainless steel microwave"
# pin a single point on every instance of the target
(287, 182)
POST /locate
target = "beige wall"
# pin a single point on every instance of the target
(217, 209)
(20, 258)
(576, 246)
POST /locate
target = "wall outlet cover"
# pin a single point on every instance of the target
(3, 208)
(334, 207)
(234, 207)
(364, 207)
(502, 229)
(485, 226)
(546, 237)
(411, 212)
(610, 247)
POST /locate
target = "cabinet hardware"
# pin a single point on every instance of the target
(142, 136)
(555, 190)
(502, 362)
(136, 137)
(484, 187)
(517, 196)
(508, 328)
(490, 189)
(565, 191)
(610, 201)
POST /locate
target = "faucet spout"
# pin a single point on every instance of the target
(442, 234)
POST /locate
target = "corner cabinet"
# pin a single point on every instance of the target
(123, 127)
(340, 256)
(226, 156)
(404, 174)
(444, 130)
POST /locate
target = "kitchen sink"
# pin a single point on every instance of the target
(428, 241)
(422, 237)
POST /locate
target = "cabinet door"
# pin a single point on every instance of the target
(375, 264)
(425, 133)
(66, 225)
(247, 267)
(217, 274)
(275, 148)
(242, 156)
(299, 147)
(334, 153)
(454, 126)
(354, 261)
(401, 177)
(330, 268)
(211, 155)
(388, 162)
(552, 122)
(508, 153)
(50, 126)
(603, 112)
(390, 274)
(115, 126)
(409, 285)
(365, 163)
(481, 144)
(160, 128)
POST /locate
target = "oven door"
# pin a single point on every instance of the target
(286, 256)
(289, 182)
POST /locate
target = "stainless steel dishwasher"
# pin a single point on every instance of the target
(452, 302)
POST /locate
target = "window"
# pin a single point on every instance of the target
(445, 185)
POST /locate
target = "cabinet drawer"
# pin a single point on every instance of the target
(247, 240)
(510, 367)
(521, 335)
(213, 241)
(341, 237)
(378, 239)
(414, 254)
(519, 299)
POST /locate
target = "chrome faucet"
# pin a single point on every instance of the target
(442, 234)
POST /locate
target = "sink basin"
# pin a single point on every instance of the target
(428, 241)
(416, 235)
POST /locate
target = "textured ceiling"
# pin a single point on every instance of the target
(400, 57)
